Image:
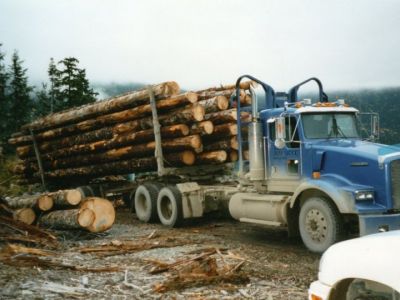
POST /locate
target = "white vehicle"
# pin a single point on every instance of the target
(360, 269)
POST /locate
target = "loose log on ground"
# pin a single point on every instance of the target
(69, 218)
(66, 197)
(104, 213)
(122, 167)
(202, 128)
(41, 202)
(212, 157)
(25, 215)
(110, 105)
(225, 144)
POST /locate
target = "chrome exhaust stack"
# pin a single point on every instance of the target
(256, 143)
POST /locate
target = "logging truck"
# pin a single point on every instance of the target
(284, 162)
(306, 168)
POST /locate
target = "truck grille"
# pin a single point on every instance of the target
(395, 175)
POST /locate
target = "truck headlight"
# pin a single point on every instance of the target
(364, 195)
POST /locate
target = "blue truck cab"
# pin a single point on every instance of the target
(310, 170)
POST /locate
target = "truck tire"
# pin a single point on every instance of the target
(320, 224)
(169, 206)
(146, 202)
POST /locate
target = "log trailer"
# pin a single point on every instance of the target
(307, 169)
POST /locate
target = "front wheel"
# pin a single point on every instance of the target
(320, 224)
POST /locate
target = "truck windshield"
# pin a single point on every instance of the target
(330, 125)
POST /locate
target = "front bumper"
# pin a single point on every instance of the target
(319, 289)
(377, 223)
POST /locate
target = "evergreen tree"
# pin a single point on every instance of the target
(4, 104)
(44, 104)
(20, 101)
(71, 87)
(54, 92)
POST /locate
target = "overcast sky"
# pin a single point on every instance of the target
(348, 44)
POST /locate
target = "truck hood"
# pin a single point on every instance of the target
(360, 149)
(356, 165)
(373, 257)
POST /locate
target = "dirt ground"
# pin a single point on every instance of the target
(276, 267)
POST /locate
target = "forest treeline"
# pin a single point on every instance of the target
(67, 86)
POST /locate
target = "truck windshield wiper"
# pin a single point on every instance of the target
(336, 130)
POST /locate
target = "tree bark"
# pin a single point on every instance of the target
(202, 128)
(192, 142)
(104, 213)
(66, 197)
(92, 141)
(114, 104)
(122, 167)
(191, 113)
(40, 202)
(226, 93)
(215, 104)
(224, 144)
(212, 157)
(69, 219)
(244, 85)
(227, 129)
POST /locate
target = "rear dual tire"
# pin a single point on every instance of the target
(169, 206)
(145, 202)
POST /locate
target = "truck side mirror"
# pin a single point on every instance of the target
(375, 127)
(280, 133)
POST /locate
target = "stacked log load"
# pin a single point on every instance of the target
(63, 209)
(116, 137)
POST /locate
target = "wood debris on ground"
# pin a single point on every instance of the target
(17, 231)
(118, 247)
(211, 266)
(20, 256)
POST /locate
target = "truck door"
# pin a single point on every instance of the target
(284, 167)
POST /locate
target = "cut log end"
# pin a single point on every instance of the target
(222, 102)
(171, 88)
(25, 215)
(198, 113)
(73, 197)
(86, 217)
(104, 213)
(233, 155)
(207, 127)
(192, 97)
(188, 158)
(45, 203)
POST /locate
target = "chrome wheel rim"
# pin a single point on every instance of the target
(316, 225)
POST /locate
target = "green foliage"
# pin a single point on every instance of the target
(4, 105)
(43, 102)
(382, 101)
(72, 84)
(20, 101)
(9, 185)
(68, 87)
